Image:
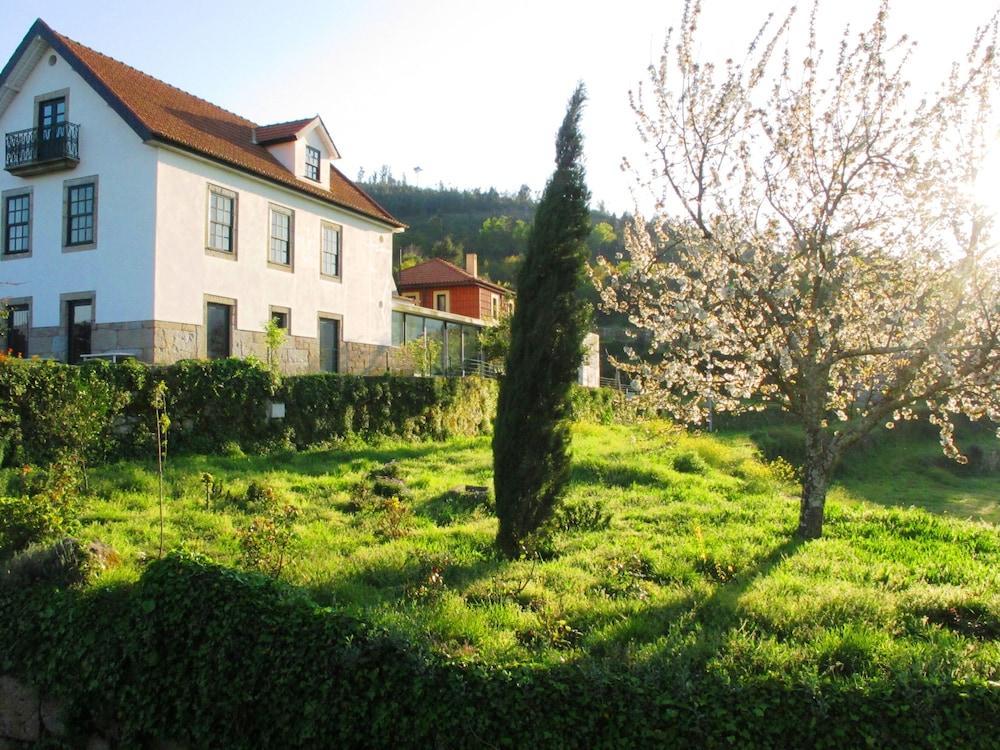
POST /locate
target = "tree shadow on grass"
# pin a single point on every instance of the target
(709, 620)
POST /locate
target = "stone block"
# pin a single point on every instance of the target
(133, 338)
(103, 340)
(18, 711)
(54, 716)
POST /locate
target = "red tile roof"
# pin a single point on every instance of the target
(281, 131)
(438, 272)
(161, 112)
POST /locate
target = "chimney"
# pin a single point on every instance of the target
(472, 264)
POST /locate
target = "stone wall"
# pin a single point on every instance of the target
(29, 719)
(163, 343)
(134, 337)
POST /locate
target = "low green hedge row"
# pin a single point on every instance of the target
(210, 657)
(46, 406)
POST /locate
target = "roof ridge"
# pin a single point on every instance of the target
(70, 40)
(286, 122)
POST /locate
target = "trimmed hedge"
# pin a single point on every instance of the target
(210, 657)
(46, 406)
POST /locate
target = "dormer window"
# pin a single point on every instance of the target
(312, 163)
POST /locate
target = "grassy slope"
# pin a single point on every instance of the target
(698, 568)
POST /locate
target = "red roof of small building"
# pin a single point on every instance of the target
(440, 273)
(160, 112)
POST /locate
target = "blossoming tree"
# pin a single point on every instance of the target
(815, 245)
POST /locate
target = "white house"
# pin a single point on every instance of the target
(139, 218)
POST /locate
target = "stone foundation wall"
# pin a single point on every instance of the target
(29, 719)
(134, 337)
(163, 343)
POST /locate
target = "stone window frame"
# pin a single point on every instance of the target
(58, 94)
(447, 300)
(339, 228)
(233, 322)
(235, 232)
(289, 267)
(287, 311)
(64, 299)
(67, 184)
(9, 302)
(28, 190)
(321, 315)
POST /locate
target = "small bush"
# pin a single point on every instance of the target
(68, 562)
(47, 509)
(586, 514)
(689, 462)
(266, 541)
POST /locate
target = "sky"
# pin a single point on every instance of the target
(471, 92)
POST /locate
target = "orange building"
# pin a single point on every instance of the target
(445, 287)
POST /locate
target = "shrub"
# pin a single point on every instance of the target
(211, 657)
(266, 541)
(47, 509)
(689, 462)
(68, 562)
(585, 514)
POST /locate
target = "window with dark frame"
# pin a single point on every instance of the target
(79, 326)
(218, 324)
(331, 250)
(221, 220)
(281, 237)
(16, 339)
(81, 201)
(18, 223)
(329, 344)
(312, 163)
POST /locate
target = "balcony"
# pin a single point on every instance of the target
(48, 149)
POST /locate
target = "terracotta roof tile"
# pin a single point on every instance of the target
(439, 272)
(176, 117)
(281, 131)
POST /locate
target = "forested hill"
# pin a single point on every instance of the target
(447, 223)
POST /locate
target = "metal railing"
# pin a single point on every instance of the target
(26, 148)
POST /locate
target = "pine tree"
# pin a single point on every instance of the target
(531, 437)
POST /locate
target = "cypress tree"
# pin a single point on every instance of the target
(531, 436)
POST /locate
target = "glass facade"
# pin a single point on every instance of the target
(459, 343)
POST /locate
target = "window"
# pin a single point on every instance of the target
(441, 301)
(18, 318)
(330, 251)
(397, 328)
(495, 305)
(221, 219)
(414, 297)
(218, 325)
(281, 237)
(17, 224)
(79, 325)
(51, 127)
(312, 163)
(280, 318)
(81, 213)
(329, 344)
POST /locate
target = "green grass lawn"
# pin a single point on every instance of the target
(698, 566)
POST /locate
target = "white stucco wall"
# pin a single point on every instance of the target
(120, 268)
(185, 272)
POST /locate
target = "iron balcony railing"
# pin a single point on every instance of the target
(36, 146)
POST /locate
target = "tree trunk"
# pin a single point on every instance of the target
(815, 482)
